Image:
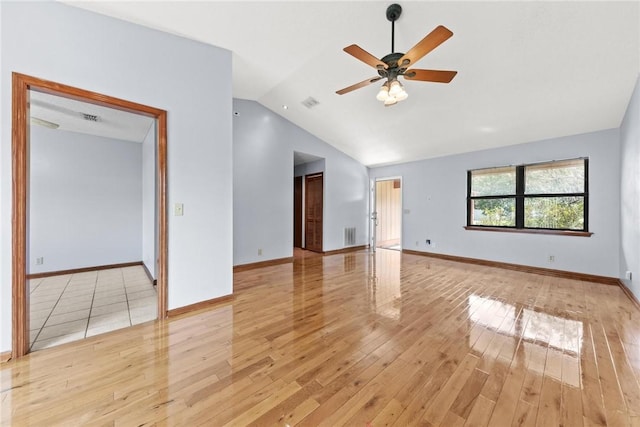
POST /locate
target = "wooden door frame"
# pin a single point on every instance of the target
(21, 84)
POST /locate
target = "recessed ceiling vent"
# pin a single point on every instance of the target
(90, 117)
(310, 102)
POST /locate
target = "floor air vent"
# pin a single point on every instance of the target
(349, 236)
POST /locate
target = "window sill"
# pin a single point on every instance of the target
(531, 231)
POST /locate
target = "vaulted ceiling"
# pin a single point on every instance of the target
(526, 70)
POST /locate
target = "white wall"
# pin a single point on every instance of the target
(149, 217)
(85, 200)
(630, 193)
(263, 146)
(435, 190)
(191, 80)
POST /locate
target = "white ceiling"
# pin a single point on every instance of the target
(68, 114)
(526, 70)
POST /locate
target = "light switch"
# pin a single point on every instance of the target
(178, 209)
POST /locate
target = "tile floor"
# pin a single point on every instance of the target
(74, 306)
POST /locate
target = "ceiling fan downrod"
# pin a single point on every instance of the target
(393, 13)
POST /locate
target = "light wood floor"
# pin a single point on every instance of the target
(359, 340)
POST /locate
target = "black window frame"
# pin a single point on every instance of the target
(520, 197)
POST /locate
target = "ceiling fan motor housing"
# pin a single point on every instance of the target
(393, 69)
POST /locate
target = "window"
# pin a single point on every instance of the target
(542, 196)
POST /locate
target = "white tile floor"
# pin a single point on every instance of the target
(74, 306)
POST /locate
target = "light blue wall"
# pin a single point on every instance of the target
(303, 169)
(191, 80)
(630, 193)
(85, 200)
(263, 146)
(435, 190)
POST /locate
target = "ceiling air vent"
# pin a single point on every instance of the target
(310, 102)
(90, 117)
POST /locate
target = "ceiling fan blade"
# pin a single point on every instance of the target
(358, 85)
(438, 76)
(431, 41)
(364, 56)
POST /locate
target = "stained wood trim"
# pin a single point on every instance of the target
(630, 294)
(530, 231)
(19, 150)
(199, 305)
(59, 89)
(163, 254)
(519, 267)
(5, 356)
(21, 84)
(268, 263)
(346, 250)
(83, 269)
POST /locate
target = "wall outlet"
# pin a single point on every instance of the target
(628, 275)
(551, 258)
(178, 209)
(40, 260)
(259, 251)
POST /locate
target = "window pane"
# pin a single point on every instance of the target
(554, 178)
(554, 212)
(497, 212)
(493, 182)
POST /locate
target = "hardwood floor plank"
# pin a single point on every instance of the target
(571, 407)
(389, 414)
(592, 401)
(507, 402)
(326, 340)
(525, 415)
(469, 393)
(480, 413)
(550, 400)
(296, 407)
(441, 403)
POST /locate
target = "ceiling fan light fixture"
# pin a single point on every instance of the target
(402, 95)
(391, 93)
(390, 101)
(395, 88)
(384, 93)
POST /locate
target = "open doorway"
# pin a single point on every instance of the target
(43, 97)
(308, 202)
(388, 213)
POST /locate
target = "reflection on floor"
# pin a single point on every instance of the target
(551, 344)
(384, 283)
(74, 306)
(395, 247)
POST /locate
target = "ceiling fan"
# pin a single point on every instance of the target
(397, 64)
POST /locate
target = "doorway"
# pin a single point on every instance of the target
(313, 212)
(308, 202)
(388, 213)
(22, 87)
